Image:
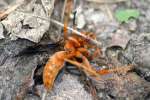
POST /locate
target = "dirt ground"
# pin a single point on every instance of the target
(122, 44)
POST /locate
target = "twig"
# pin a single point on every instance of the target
(94, 42)
(44, 94)
(9, 10)
(98, 44)
(62, 16)
(63, 11)
(106, 1)
(109, 12)
(13, 8)
(28, 83)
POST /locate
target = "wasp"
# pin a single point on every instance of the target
(75, 47)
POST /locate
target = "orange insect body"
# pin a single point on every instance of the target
(55, 64)
(73, 48)
(52, 67)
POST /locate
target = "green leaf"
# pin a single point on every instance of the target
(126, 14)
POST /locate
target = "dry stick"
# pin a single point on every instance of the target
(12, 8)
(98, 44)
(9, 10)
(44, 94)
(62, 18)
(108, 10)
(94, 42)
(62, 15)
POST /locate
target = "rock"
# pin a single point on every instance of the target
(137, 53)
(70, 88)
(138, 50)
(118, 87)
(14, 70)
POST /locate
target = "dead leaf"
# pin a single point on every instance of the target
(16, 20)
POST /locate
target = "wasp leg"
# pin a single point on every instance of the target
(121, 70)
(96, 53)
(83, 67)
(84, 51)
